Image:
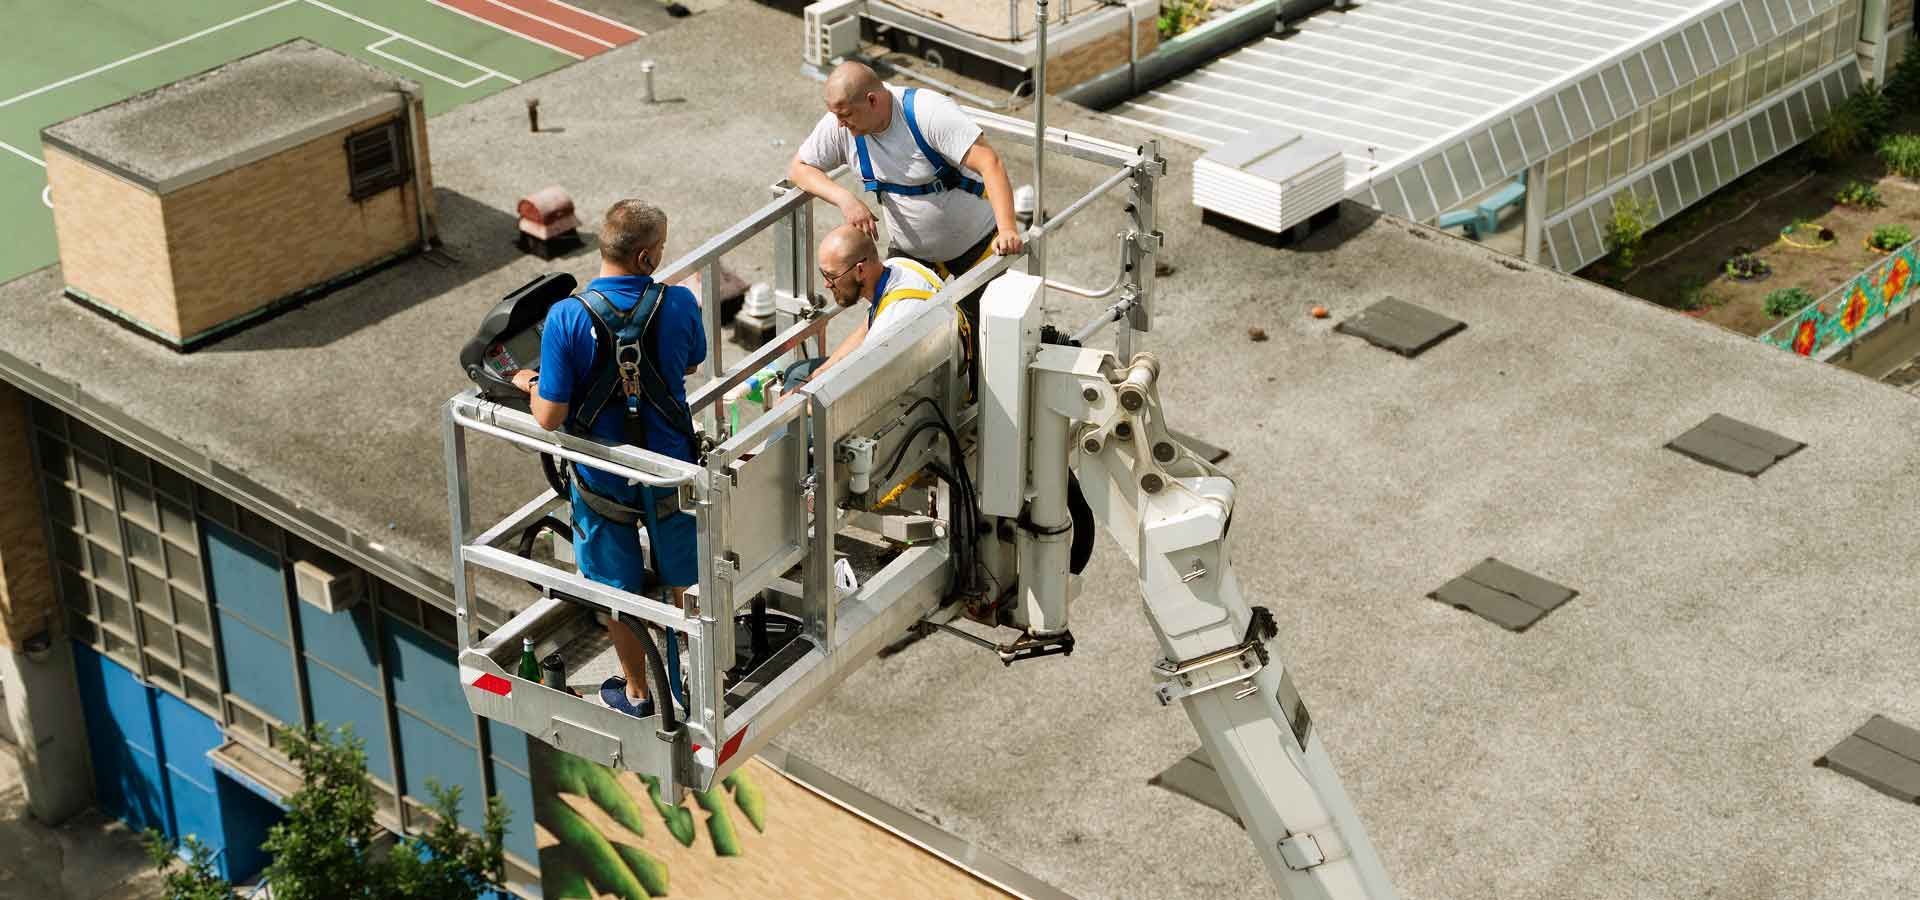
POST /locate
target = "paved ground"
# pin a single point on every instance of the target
(89, 858)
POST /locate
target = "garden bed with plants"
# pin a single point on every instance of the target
(1792, 230)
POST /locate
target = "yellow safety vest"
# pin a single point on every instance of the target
(894, 295)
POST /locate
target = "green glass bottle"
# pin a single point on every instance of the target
(529, 665)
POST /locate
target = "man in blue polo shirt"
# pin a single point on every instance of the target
(633, 237)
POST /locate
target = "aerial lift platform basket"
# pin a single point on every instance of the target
(889, 434)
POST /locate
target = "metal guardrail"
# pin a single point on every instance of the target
(764, 473)
(1827, 327)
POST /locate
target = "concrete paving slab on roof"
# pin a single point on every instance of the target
(1876, 767)
(1736, 627)
(1402, 327)
(252, 101)
(1733, 445)
(1499, 607)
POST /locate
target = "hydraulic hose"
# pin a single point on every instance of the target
(658, 687)
(556, 477)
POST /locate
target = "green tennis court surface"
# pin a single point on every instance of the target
(66, 57)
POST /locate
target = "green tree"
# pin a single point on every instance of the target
(327, 847)
(448, 861)
(196, 878)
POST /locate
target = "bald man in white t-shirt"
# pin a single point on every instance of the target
(943, 191)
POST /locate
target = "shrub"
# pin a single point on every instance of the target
(1901, 153)
(1787, 301)
(1859, 194)
(1853, 126)
(1177, 17)
(1890, 237)
(1628, 225)
(196, 879)
(1903, 85)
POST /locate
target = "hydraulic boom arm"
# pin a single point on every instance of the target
(1169, 510)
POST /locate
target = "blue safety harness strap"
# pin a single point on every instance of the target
(945, 176)
(614, 326)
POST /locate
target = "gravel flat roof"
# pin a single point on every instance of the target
(253, 101)
(1653, 737)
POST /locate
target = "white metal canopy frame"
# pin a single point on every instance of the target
(884, 443)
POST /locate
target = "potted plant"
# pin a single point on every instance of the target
(1744, 266)
(1888, 238)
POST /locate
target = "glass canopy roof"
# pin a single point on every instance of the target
(1434, 102)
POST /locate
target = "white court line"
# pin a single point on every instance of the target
(374, 48)
(579, 34)
(453, 56)
(144, 53)
(282, 4)
(500, 27)
(594, 15)
(22, 154)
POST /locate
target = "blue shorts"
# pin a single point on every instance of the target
(609, 553)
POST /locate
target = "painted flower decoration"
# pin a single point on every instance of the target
(1803, 337)
(1895, 283)
(1856, 310)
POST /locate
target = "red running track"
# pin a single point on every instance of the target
(560, 26)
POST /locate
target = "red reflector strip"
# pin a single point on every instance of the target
(493, 684)
(733, 744)
(730, 747)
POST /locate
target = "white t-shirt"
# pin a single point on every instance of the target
(934, 227)
(901, 273)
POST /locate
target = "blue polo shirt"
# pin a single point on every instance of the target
(677, 342)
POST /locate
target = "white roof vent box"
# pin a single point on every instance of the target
(1272, 180)
(332, 587)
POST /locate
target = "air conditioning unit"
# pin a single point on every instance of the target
(329, 589)
(833, 30)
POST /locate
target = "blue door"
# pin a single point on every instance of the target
(151, 770)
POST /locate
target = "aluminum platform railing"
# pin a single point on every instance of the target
(767, 500)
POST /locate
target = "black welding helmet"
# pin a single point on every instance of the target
(509, 337)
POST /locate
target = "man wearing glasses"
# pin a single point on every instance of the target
(894, 288)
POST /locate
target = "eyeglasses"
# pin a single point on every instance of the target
(843, 272)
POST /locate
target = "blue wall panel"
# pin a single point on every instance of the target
(517, 793)
(427, 752)
(509, 744)
(121, 738)
(426, 679)
(186, 736)
(337, 701)
(247, 580)
(342, 640)
(259, 669)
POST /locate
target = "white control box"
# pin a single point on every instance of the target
(1009, 337)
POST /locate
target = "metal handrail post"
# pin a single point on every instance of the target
(1037, 253)
(459, 511)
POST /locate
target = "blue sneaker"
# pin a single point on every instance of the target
(613, 692)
